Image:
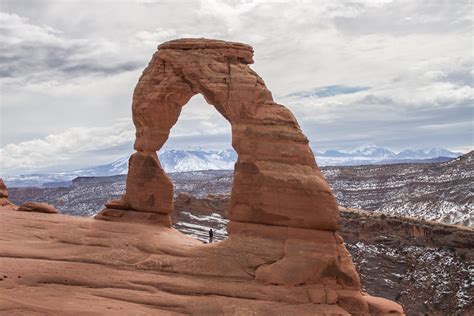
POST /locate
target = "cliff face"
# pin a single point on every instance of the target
(425, 266)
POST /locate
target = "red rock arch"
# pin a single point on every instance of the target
(279, 197)
(276, 178)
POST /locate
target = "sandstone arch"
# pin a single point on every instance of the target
(283, 216)
(276, 181)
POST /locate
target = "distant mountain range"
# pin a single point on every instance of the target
(182, 160)
(374, 151)
(371, 154)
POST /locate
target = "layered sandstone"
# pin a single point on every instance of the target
(283, 216)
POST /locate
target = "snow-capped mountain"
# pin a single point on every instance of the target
(172, 160)
(371, 150)
(371, 154)
(177, 160)
(424, 153)
(192, 159)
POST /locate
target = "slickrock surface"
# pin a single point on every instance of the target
(58, 264)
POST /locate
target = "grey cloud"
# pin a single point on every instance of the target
(464, 76)
(83, 69)
(35, 53)
(447, 125)
(327, 91)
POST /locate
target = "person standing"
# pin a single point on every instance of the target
(211, 235)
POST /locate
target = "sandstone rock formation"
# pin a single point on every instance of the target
(283, 216)
(37, 207)
(4, 202)
(3, 189)
(276, 180)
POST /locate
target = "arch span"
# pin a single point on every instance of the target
(283, 217)
(276, 180)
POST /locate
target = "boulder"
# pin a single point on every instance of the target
(37, 207)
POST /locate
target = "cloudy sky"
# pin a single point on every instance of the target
(395, 73)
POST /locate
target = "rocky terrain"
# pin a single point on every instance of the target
(425, 266)
(54, 264)
(437, 191)
(440, 192)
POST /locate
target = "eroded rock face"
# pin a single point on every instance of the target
(4, 202)
(3, 189)
(278, 196)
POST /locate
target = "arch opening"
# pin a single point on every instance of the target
(199, 160)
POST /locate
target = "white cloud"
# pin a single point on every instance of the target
(73, 147)
(153, 38)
